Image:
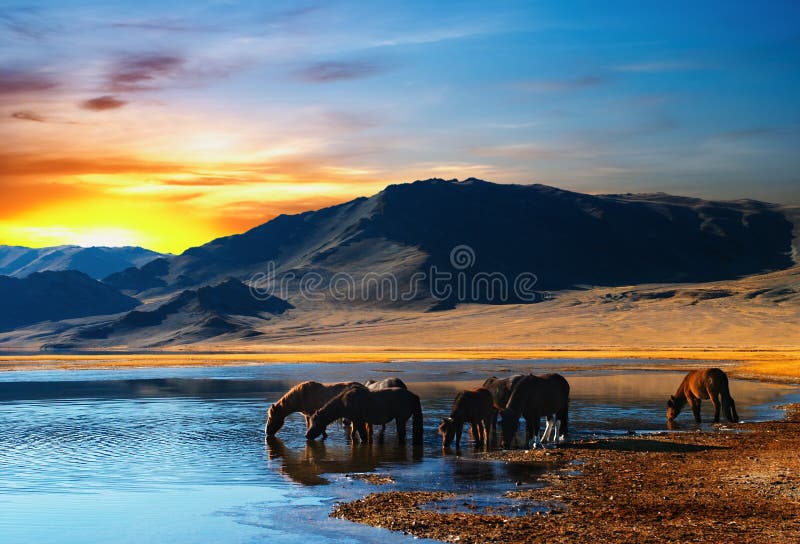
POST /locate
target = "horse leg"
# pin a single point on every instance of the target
(382, 434)
(557, 435)
(533, 431)
(695, 402)
(459, 428)
(715, 402)
(493, 428)
(363, 432)
(401, 430)
(476, 433)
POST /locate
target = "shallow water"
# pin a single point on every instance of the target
(178, 454)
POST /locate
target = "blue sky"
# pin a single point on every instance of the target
(248, 109)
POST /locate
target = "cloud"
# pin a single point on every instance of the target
(20, 81)
(141, 73)
(331, 71)
(103, 103)
(28, 116)
(556, 85)
(162, 25)
(660, 66)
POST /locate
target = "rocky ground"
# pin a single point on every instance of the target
(739, 483)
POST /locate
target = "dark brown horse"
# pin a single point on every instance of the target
(500, 389)
(475, 407)
(532, 398)
(364, 407)
(375, 385)
(307, 398)
(709, 383)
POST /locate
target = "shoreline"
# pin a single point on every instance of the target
(739, 486)
(764, 364)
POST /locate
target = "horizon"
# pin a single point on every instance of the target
(453, 180)
(236, 112)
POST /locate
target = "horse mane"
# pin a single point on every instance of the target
(295, 394)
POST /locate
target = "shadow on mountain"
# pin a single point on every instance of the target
(53, 296)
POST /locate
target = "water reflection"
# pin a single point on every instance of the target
(306, 465)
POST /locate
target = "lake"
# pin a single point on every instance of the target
(178, 454)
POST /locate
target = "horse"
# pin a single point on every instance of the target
(532, 398)
(375, 385)
(307, 398)
(709, 383)
(500, 388)
(366, 408)
(475, 407)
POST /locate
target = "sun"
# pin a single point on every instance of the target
(106, 237)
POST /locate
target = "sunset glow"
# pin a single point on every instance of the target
(169, 124)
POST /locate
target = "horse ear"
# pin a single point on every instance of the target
(671, 402)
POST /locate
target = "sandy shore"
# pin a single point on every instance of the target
(736, 486)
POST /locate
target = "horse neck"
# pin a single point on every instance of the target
(332, 410)
(516, 400)
(680, 399)
(290, 402)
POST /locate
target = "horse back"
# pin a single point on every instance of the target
(384, 405)
(540, 394)
(501, 388)
(701, 383)
(473, 404)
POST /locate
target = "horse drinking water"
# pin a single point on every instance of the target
(474, 407)
(366, 408)
(307, 398)
(709, 383)
(532, 398)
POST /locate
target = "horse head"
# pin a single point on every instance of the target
(509, 424)
(447, 429)
(672, 408)
(315, 428)
(275, 418)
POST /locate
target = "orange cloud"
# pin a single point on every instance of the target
(103, 103)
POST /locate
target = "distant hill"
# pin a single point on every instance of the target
(53, 296)
(97, 262)
(191, 316)
(566, 239)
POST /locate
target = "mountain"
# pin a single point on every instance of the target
(566, 239)
(192, 315)
(53, 296)
(97, 262)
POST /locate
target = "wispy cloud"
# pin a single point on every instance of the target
(661, 66)
(28, 116)
(26, 23)
(560, 85)
(163, 25)
(143, 73)
(331, 71)
(22, 81)
(103, 103)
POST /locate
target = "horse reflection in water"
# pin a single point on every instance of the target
(306, 466)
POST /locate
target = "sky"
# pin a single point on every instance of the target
(167, 124)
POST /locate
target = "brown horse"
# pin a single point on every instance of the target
(532, 398)
(710, 383)
(364, 407)
(500, 388)
(307, 398)
(375, 385)
(475, 407)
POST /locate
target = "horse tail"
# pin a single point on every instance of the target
(728, 405)
(416, 423)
